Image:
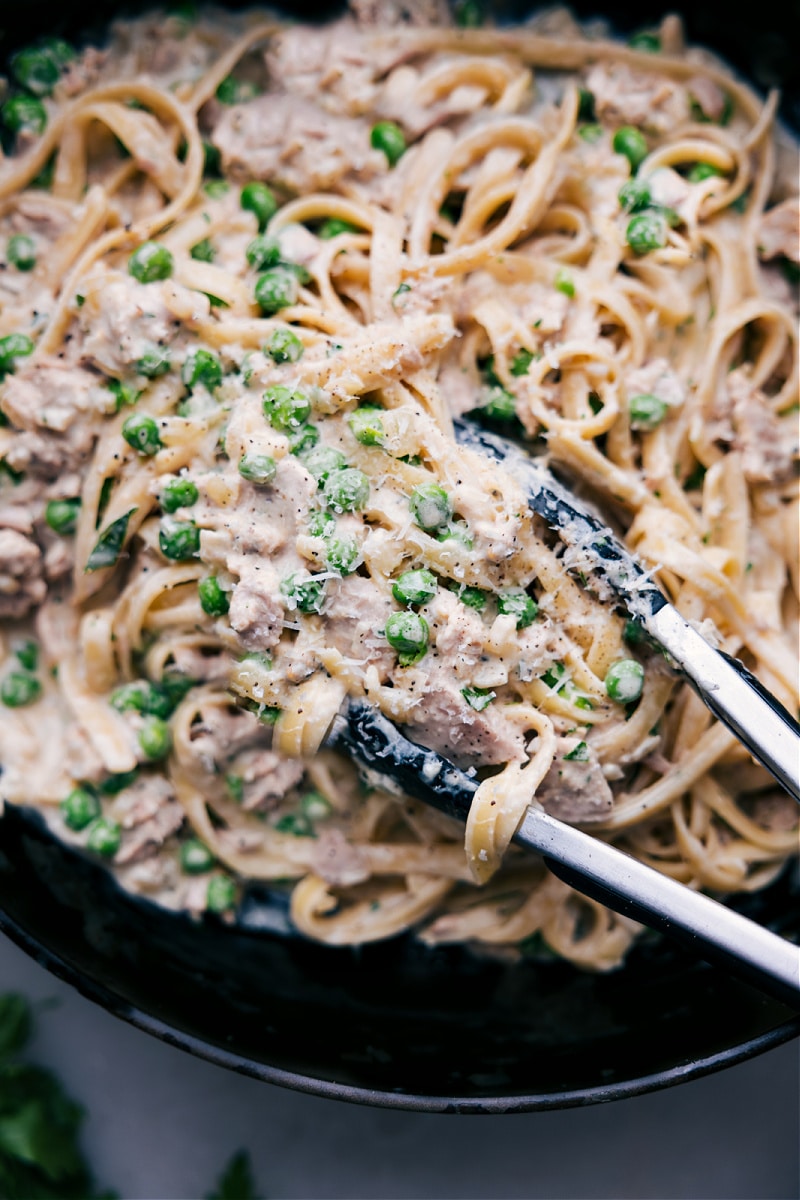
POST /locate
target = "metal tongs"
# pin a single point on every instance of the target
(587, 863)
(733, 693)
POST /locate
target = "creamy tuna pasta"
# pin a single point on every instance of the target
(249, 272)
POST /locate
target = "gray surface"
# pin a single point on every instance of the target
(161, 1125)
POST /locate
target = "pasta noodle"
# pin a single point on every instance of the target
(250, 272)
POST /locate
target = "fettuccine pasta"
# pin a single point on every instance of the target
(250, 272)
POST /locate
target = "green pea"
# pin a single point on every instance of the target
(61, 51)
(153, 363)
(203, 251)
(286, 408)
(478, 698)
(388, 137)
(303, 439)
(150, 262)
(24, 114)
(624, 681)
(302, 273)
(155, 738)
(407, 633)
(257, 468)
(631, 142)
(635, 195)
(220, 894)
(264, 251)
(498, 404)
(520, 364)
(634, 633)
(473, 598)
(564, 282)
(284, 346)
(306, 595)
(456, 531)
(202, 366)
(342, 553)
(366, 425)
(36, 70)
(19, 688)
(179, 493)
(415, 587)
(214, 600)
(276, 289)
(27, 653)
(700, 171)
(141, 696)
(179, 540)
(646, 411)
(175, 686)
(430, 506)
(141, 433)
(79, 809)
(297, 824)
(124, 395)
(315, 806)
(12, 347)
(62, 515)
(258, 198)
(515, 602)
(321, 460)
(321, 524)
(104, 837)
(195, 857)
(331, 227)
(346, 490)
(646, 231)
(21, 252)
(648, 43)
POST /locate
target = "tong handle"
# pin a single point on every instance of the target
(588, 864)
(734, 695)
(704, 926)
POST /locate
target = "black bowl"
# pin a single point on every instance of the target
(396, 1023)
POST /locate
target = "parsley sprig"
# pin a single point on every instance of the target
(40, 1152)
(236, 1181)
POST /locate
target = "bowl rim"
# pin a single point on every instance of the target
(118, 1006)
(171, 1034)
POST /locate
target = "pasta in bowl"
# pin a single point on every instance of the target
(251, 272)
